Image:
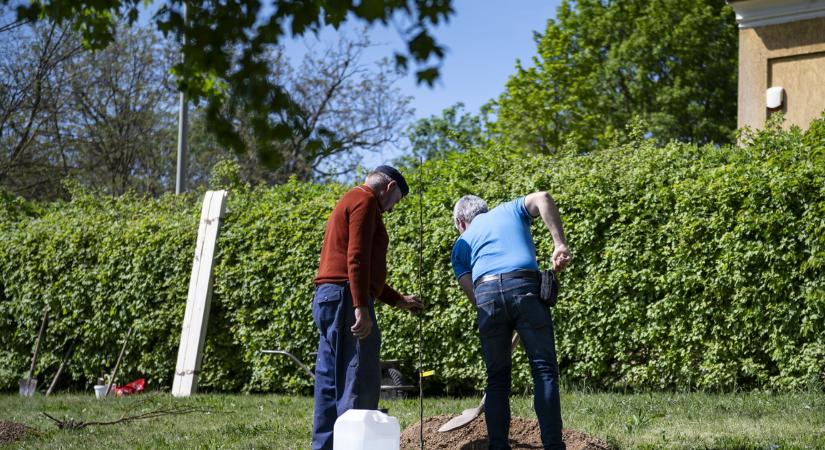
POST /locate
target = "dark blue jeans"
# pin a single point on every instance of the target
(347, 369)
(504, 306)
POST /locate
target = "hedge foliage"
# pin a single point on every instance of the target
(694, 267)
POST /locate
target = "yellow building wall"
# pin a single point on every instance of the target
(791, 55)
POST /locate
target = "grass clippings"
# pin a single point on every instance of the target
(11, 432)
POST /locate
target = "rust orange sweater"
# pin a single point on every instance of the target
(355, 248)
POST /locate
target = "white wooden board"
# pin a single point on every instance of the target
(196, 316)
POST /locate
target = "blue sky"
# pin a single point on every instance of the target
(484, 39)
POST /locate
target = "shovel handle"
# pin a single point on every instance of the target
(117, 364)
(38, 343)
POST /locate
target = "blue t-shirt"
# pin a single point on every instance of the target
(498, 241)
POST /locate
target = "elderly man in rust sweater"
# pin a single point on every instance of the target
(351, 275)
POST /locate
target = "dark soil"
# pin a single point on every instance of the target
(524, 434)
(12, 431)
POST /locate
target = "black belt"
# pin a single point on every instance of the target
(529, 274)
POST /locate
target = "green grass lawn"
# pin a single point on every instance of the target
(658, 420)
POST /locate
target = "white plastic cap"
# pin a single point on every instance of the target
(774, 97)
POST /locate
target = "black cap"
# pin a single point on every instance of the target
(393, 173)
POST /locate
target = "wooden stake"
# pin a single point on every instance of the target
(196, 315)
(117, 364)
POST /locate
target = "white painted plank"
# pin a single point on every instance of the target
(193, 340)
(180, 384)
(196, 317)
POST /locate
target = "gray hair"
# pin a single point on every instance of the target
(377, 180)
(468, 207)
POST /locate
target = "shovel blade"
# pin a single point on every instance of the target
(470, 414)
(28, 387)
(467, 416)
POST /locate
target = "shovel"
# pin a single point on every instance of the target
(468, 415)
(28, 385)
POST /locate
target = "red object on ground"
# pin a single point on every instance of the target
(135, 387)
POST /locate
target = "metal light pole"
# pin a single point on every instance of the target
(183, 125)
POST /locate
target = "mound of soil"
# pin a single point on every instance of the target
(12, 431)
(524, 434)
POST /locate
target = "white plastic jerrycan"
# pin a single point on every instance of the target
(366, 429)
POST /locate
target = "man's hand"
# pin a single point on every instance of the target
(363, 323)
(561, 258)
(411, 303)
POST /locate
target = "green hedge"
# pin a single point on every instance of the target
(694, 267)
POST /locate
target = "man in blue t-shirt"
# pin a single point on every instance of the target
(494, 261)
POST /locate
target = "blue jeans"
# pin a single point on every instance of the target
(504, 306)
(347, 369)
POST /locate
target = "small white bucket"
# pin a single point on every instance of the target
(100, 390)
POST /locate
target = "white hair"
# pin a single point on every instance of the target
(467, 208)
